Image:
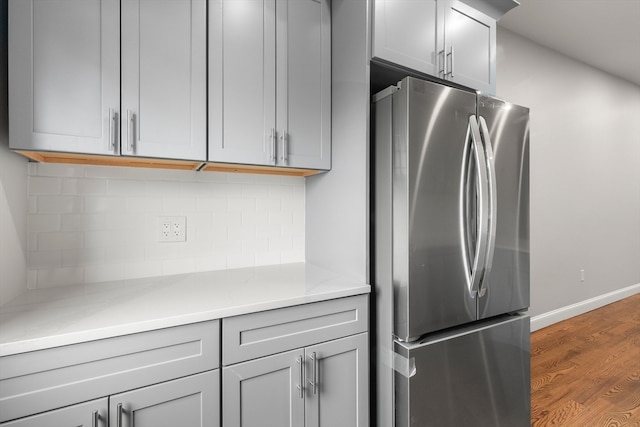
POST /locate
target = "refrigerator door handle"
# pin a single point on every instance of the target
(493, 201)
(476, 269)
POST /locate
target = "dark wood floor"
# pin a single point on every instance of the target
(585, 371)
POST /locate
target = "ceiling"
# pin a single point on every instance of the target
(602, 33)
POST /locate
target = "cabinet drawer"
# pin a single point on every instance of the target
(255, 335)
(47, 379)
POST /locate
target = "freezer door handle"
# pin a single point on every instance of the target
(475, 268)
(493, 201)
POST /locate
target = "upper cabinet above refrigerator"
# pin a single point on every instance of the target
(447, 39)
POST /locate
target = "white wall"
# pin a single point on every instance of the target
(13, 192)
(585, 178)
(337, 205)
(92, 224)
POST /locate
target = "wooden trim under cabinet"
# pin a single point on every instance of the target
(140, 162)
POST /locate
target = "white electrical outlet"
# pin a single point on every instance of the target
(172, 229)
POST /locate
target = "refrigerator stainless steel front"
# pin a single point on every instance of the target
(451, 257)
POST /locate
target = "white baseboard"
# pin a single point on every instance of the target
(543, 320)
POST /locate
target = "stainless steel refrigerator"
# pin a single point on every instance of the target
(450, 227)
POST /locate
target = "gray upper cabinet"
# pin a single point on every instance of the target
(66, 59)
(469, 46)
(164, 79)
(64, 73)
(448, 39)
(404, 33)
(270, 83)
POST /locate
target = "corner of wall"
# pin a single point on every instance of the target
(13, 191)
(337, 204)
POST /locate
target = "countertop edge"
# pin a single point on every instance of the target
(159, 322)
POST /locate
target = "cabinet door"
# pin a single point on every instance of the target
(88, 414)
(64, 75)
(404, 33)
(265, 392)
(187, 402)
(304, 84)
(242, 75)
(469, 45)
(337, 386)
(164, 78)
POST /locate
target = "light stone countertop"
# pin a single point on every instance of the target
(53, 317)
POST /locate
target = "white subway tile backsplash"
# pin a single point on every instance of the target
(240, 260)
(76, 186)
(104, 204)
(59, 240)
(50, 169)
(81, 222)
(211, 204)
(91, 224)
(44, 185)
(45, 222)
(141, 269)
(143, 204)
(59, 204)
(178, 266)
(45, 259)
(223, 190)
(241, 205)
(214, 261)
(104, 272)
(83, 257)
(46, 278)
(126, 187)
(178, 206)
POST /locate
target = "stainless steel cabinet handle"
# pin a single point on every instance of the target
(285, 148)
(442, 70)
(314, 372)
(119, 415)
(112, 129)
(300, 386)
(131, 130)
(451, 55)
(94, 419)
(272, 147)
(493, 193)
(476, 268)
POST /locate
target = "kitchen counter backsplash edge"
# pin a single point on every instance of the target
(46, 318)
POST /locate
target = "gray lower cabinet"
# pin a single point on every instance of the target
(144, 377)
(264, 392)
(299, 366)
(187, 402)
(88, 414)
(325, 385)
(337, 387)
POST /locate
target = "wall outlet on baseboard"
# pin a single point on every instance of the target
(172, 229)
